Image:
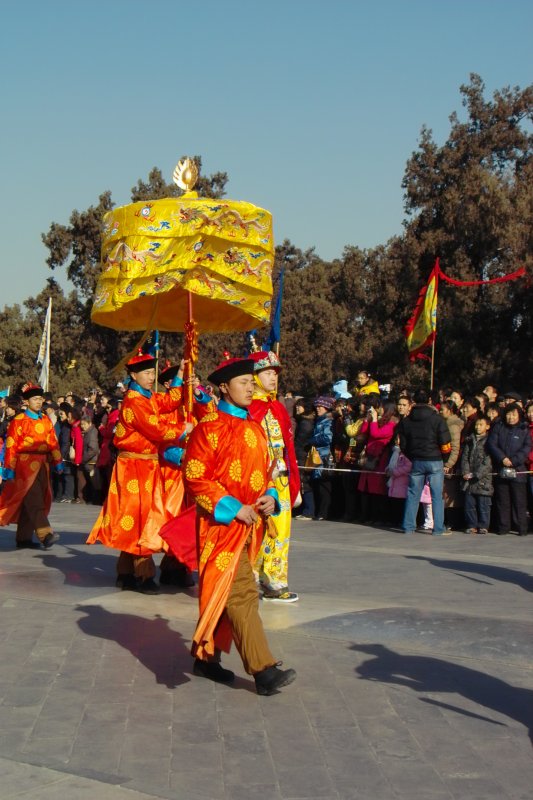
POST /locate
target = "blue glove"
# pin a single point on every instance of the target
(8, 474)
(174, 455)
(59, 468)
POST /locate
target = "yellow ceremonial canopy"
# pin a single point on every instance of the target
(156, 255)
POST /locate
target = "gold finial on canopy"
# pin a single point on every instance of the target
(185, 174)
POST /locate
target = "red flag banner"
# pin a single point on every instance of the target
(421, 329)
(502, 279)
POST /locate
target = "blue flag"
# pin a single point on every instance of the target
(275, 330)
(151, 346)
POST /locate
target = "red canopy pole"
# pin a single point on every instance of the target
(190, 355)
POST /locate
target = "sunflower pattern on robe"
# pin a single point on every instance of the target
(272, 563)
(225, 467)
(31, 443)
(135, 510)
(174, 490)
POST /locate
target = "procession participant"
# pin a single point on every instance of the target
(134, 510)
(273, 560)
(172, 571)
(31, 446)
(226, 469)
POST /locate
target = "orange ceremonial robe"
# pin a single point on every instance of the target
(31, 442)
(225, 466)
(135, 510)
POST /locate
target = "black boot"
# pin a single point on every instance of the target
(28, 545)
(176, 577)
(128, 583)
(213, 671)
(269, 680)
(148, 586)
(49, 540)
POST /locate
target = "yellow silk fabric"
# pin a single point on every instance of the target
(153, 253)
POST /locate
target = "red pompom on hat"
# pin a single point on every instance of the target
(168, 372)
(265, 360)
(31, 390)
(140, 362)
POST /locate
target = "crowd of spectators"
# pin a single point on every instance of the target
(354, 461)
(362, 476)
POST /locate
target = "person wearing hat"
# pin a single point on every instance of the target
(273, 561)
(226, 471)
(322, 439)
(134, 510)
(31, 446)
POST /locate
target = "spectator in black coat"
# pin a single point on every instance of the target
(509, 444)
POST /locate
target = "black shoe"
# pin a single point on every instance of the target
(148, 586)
(176, 577)
(502, 533)
(29, 545)
(128, 583)
(213, 671)
(49, 540)
(269, 680)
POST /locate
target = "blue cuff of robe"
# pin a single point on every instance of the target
(59, 469)
(8, 474)
(176, 381)
(174, 455)
(203, 397)
(227, 509)
(274, 493)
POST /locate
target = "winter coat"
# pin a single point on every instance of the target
(530, 457)
(513, 442)
(423, 433)
(321, 439)
(90, 446)
(399, 469)
(64, 440)
(455, 426)
(476, 461)
(76, 440)
(376, 447)
(107, 431)
(302, 442)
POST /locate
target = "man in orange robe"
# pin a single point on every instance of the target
(226, 470)
(31, 446)
(134, 510)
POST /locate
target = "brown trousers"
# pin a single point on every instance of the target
(242, 611)
(32, 515)
(142, 567)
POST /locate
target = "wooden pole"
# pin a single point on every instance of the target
(433, 361)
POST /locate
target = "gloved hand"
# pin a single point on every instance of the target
(8, 474)
(59, 468)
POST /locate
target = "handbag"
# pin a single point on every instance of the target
(72, 453)
(508, 473)
(366, 462)
(313, 458)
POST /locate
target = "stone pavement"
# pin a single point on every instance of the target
(414, 660)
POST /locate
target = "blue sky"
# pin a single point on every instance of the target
(311, 107)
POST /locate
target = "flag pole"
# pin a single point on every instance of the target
(432, 363)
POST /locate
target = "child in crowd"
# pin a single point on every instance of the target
(398, 469)
(476, 468)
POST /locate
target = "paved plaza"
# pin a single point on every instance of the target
(415, 676)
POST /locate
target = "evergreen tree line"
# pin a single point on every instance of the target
(469, 201)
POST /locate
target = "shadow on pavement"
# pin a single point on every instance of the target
(495, 573)
(425, 674)
(160, 649)
(80, 569)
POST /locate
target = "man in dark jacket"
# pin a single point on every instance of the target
(424, 438)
